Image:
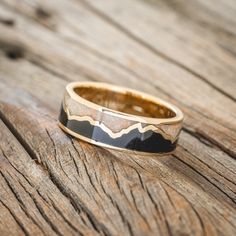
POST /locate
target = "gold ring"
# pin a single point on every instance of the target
(116, 117)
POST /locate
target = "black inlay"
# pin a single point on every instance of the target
(146, 142)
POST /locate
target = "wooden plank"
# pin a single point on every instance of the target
(191, 120)
(104, 191)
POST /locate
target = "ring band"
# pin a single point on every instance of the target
(121, 118)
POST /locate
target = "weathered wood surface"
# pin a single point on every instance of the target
(182, 51)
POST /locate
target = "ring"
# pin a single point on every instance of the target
(116, 117)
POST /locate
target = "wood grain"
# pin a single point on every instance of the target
(52, 184)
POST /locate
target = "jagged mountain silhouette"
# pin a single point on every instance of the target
(148, 141)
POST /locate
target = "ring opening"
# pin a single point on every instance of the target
(126, 102)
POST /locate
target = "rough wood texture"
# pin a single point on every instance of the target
(181, 51)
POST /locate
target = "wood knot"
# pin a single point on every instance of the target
(7, 21)
(15, 53)
(13, 50)
(45, 17)
(42, 13)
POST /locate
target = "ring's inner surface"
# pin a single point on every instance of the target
(126, 102)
